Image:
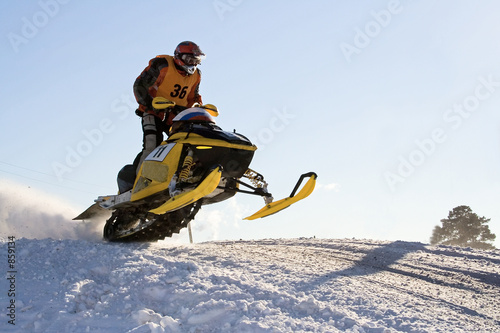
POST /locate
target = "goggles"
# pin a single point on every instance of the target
(191, 59)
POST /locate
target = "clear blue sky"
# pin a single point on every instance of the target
(395, 104)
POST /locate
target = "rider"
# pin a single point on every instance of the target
(175, 78)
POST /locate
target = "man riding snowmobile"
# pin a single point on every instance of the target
(199, 164)
(175, 78)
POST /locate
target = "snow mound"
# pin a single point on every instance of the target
(286, 285)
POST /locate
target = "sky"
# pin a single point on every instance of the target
(394, 104)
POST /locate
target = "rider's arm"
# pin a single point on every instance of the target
(194, 95)
(146, 80)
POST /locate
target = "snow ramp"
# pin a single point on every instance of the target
(274, 285)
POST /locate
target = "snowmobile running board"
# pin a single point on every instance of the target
(279, 205)
(207, 186)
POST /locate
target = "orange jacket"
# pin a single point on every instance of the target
(163, 78)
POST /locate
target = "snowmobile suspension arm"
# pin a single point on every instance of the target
(256, 190)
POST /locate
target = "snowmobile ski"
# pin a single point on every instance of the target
(207, 186)
(279, 205)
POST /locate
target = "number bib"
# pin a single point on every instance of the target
(173, 85)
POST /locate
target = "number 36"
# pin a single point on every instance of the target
(179, 91)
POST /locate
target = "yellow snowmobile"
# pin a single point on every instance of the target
(198, 164)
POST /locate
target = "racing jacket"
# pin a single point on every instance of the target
(162, 78)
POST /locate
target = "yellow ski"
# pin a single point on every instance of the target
(207, 186)
(279, 205)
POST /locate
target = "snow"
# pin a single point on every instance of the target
(270, 285)
(76, 282)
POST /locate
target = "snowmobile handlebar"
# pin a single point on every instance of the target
(161, 103)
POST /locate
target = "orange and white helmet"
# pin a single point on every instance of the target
(188, 56)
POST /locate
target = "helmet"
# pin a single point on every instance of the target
(188, 55)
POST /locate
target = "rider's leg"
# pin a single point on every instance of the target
(152, 128)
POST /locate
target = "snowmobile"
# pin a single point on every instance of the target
(198, 164)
